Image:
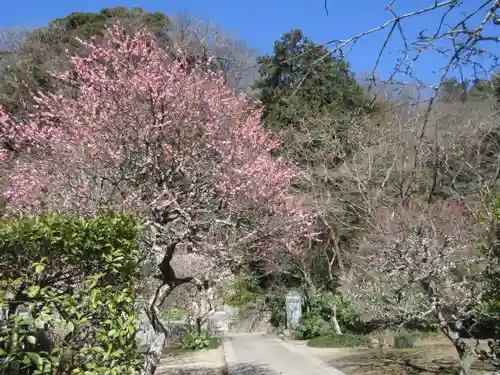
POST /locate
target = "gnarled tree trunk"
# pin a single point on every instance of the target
(157, 343)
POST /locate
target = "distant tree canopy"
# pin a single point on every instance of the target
(88, 24)
(32, 55)
(479, 89)
(301, 79)
(28, 57)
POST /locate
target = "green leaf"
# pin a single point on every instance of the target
(35, 357)
(112, 333)
(39, 268)
(33, 291)
(25, 321)
(70, 326)
(31, 339)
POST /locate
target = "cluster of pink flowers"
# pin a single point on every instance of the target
(136, 113)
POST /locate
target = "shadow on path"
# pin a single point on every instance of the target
(250, 369)
(239, 369)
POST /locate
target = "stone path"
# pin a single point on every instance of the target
(265, 355)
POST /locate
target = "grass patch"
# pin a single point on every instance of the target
(338, 341)
(174, 350)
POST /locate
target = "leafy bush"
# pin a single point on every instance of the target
(322, 307)
(338, 341)
(328, 304)
(405, 339)
(195, 340)
(242, 291)
(312, 325)
(275, 302)
(76, 279)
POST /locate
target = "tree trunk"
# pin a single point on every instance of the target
(336, 325)
(335, 322)
(159, 340)
(154, 353)
(465, 361)
(464, 352)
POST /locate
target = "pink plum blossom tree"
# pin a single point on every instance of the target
(135, 129)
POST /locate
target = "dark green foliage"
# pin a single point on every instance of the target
(44, 50)
(86, 25)
(242, 291)
(326, 83)
(275, 302)
(76, 278)
(312, 325)
(496, 87)
(329, 304)
(405, 339)
(338, 341)
(245, 290)
(452, 90)
(322, 307)
(81, 24)
(481, 90)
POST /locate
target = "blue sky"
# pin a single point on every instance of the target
(260, 22)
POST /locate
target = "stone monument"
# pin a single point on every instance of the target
(293, 304)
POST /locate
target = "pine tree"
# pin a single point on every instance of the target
(301, 79)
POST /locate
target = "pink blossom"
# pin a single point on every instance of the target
(140, 119)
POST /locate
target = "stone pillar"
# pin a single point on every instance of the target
(293, 304)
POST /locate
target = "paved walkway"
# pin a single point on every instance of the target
(265, 355)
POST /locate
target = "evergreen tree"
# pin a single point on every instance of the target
(301, 79)
(453, 90)
(43, 51)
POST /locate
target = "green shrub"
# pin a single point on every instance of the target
(76, 277)
(338, 341)
(312, 325)
(195, 340)
(322, 307)
(241, 292)
(275, 302)
(327, 304)
(404, 339)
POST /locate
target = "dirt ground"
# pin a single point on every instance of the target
(430, 356)
(203, 362)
